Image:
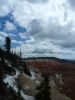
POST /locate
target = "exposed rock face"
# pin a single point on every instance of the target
(51, 65)
(55, 94)
(28, 85)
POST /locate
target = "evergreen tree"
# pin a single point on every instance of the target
(7, 44)
(20, 54)
(26, 69)
(43, 90)
(2, 54)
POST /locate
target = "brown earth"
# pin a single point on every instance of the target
(67, 69)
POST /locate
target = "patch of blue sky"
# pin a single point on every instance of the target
(13, 33)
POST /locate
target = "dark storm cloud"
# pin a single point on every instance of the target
(72, 3)
(39, 51)
(69, 42)
(57, 34)
(37, 1)
(52, 30)
(43, 51)
(35, 27)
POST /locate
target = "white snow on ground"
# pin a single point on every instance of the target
(59, 77)
(27, 97)
(6, 61)
(36, 76)
(33, 75)
(11, 82)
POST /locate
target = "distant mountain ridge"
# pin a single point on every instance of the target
(51, 64)
(51, 58)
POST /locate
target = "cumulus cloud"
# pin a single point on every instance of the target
(31, 11)
(49, 23)
(6, 6)
(37, 1)
(2, 37)
(44, 48)
(58, 34)
(9, 26)
(23, 35)
(72, 3)
(52, 29)
(35, 27)
(3, 34)
(18, 42)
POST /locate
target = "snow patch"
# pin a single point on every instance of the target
(27, 97)
(11, 82)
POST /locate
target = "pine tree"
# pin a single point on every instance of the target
(43, 90)
(26, 69)
(20, 54)
(2, 54)
(7, 44)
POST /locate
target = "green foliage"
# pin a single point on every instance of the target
(26, 70)
(7, 44)
(6, 92)
(43, 90)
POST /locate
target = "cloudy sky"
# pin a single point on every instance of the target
(39, 27)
